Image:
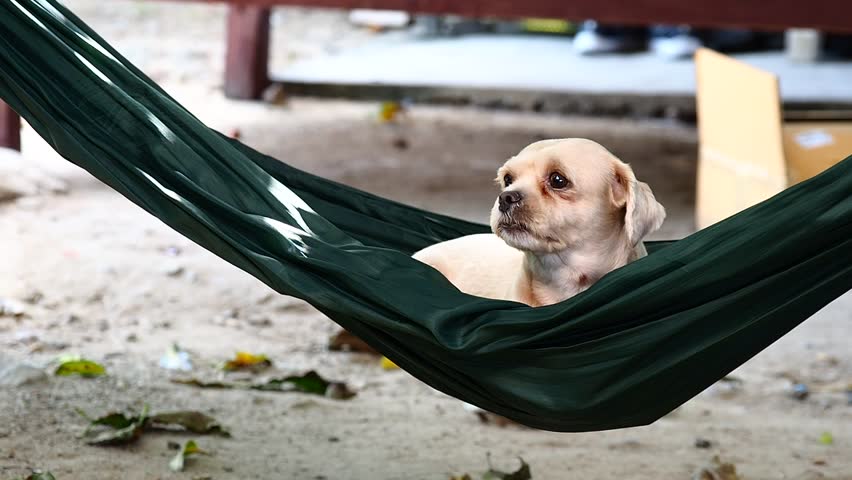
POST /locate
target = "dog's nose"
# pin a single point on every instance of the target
(509, 198)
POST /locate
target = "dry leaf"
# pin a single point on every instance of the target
(189, 420)
(717, 470)
(114, 428)
(347, 342)
(247, 361)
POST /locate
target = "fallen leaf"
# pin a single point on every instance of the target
(114, 428)
(247, 361)
(522, 473)
(203, 383)
(716, 470)
(113, 420)
(388, 364)
(339, 391)
(310, 382)
(85, 368)
(192, 421)
(40, 476)
(189, 448)
(388, 111)
(498, 420)
(461, 477)
(344, 341)
(826, 438)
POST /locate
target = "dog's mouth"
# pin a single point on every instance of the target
(512, 227)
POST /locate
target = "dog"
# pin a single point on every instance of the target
(568, 213)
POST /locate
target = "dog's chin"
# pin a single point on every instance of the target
(521, 236)
(517, 235)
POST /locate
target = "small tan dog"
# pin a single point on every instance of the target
(569, 213)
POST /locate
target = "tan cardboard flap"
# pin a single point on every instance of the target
(741, 161)
(812, 147)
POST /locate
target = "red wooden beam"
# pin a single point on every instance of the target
(827, 15)
(247, 55)
(10, 127)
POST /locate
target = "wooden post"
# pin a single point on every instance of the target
(10, 127)
(247, 56)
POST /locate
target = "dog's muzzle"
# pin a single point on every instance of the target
(509, 200)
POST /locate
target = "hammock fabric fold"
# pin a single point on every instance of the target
(640, 342)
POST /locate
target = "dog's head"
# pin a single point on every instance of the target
(558, 194)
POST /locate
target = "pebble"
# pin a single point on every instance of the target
(703, 443)
(103, 325)
(17, 375)
(131, 338)
(259, 321)
(800, 391)
(173, 271)
(400, 143)
(849, 397)
(33, 297)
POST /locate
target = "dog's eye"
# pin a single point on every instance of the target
(507, 180)
(557, 181)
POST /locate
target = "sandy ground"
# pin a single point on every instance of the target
(119, 287)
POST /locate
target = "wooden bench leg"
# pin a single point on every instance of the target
(10, 127)
(247, 56)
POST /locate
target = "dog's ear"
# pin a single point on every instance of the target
(642, 213)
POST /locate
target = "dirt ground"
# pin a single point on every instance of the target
(94, 275)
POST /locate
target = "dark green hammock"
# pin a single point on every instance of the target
(640, 342)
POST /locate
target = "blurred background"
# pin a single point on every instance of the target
(422, 109)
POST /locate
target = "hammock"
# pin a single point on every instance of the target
(640, 342)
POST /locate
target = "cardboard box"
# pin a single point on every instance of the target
(747, 152)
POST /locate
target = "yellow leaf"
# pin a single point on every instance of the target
(247, 361)
(85, 368)
(387, 364)
(389, 110)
